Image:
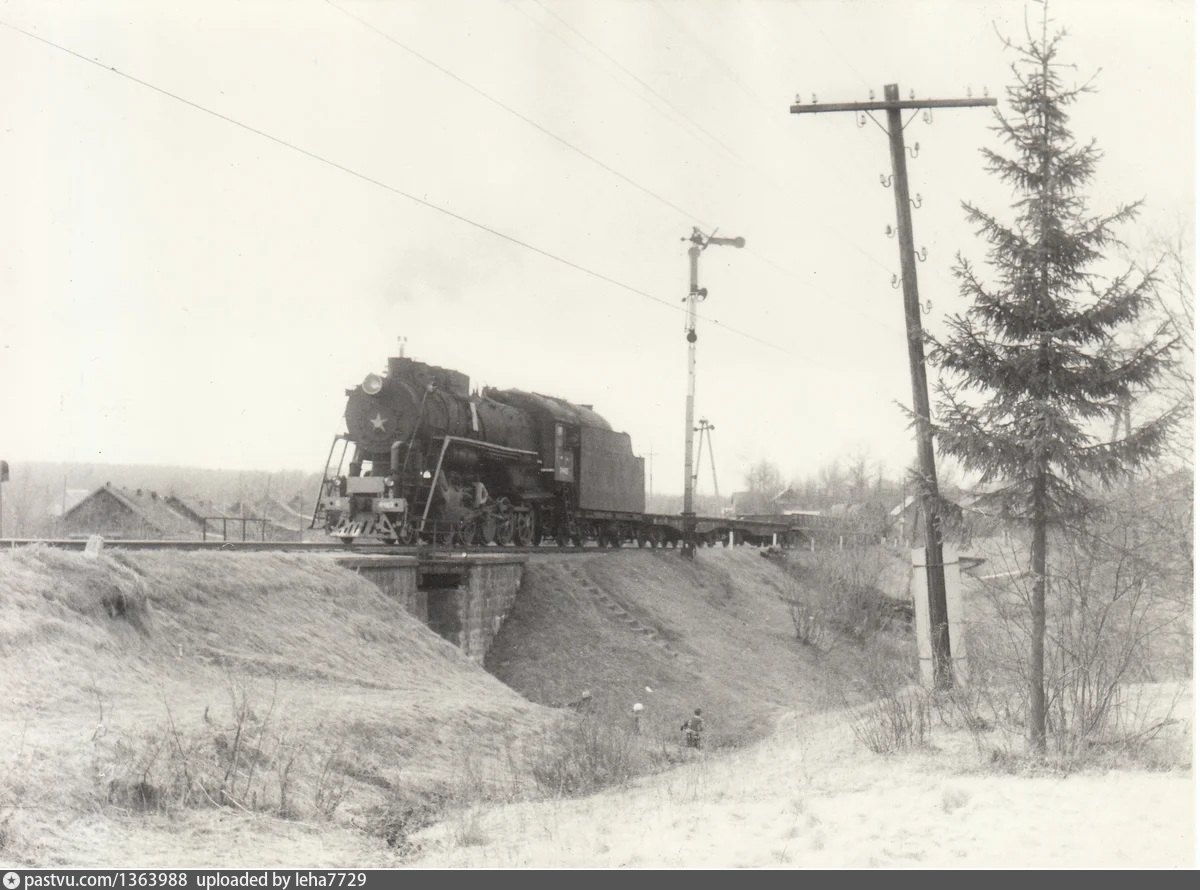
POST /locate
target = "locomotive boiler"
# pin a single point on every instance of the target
(425, 458)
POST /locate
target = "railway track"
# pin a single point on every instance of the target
(293, 547)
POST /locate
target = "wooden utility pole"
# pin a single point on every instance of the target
(894, 106)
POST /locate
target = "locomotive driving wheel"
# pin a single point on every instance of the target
(505, 529)
(443, 534)
(468, 531)
(487, 528)
(523, 527)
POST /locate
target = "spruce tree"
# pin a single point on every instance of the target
(1033, 374)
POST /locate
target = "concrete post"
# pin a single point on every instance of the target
(954, 614)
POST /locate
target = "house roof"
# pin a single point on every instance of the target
(71, 497)
(194, 508)
(153, 509)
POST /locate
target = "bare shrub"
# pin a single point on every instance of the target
(839, 593)
(897, 715)
(896, 721)
(403, 814)
(584, 755)
(808, 619)
(331, 781)
(1118, 602)
(246, 761)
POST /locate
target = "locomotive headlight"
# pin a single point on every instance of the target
(372, 384)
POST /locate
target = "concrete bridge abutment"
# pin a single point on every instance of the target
(464, 599)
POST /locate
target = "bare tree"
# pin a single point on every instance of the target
(1174, 307)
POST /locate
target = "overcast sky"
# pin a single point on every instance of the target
(178, 289)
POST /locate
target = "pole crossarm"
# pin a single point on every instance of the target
(885, 105)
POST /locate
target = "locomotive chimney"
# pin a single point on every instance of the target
(400, 349)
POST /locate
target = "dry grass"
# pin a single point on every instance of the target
(807, 797)
(225, 708)
(269, 685)
(725, 615)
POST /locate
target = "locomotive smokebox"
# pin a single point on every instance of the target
(376, 421)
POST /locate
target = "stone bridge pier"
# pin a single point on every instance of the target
(463, 598)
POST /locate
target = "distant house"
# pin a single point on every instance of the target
(787, 502)
(69, 498)
(130, 514)
(193, 509)
(750, 503)
(906, 520)
(790, 502)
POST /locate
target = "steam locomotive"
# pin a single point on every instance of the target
(429, 460)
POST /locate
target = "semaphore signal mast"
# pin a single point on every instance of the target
(700, 241)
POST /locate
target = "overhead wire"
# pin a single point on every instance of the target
(563, 141)
(715, 57)
(638, 80)
(364, 177)
(778, 267)
(763, 174)
(642, 96)
(515, 113)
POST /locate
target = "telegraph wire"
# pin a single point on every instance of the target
(633, 76)
(575, 49)
(665, 201)
(499, 104)
(763, 174)
(778, 267)
(707, 50)
(512, 239)
(714, 58)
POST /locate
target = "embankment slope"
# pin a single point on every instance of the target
(713, 633)
(301, 689)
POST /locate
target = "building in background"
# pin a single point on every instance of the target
(131, 514)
